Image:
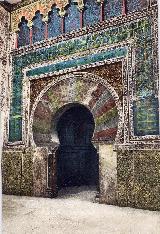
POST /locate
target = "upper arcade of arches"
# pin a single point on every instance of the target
(47, 19)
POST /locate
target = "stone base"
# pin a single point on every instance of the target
(126, 178)
(24, 172)
(17, 172)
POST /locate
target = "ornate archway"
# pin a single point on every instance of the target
(85, 89)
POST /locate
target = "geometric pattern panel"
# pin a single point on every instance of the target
(108, 54)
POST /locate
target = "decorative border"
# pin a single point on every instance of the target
(26, 81)
(122, 47)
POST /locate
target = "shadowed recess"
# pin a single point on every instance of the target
(77, 159)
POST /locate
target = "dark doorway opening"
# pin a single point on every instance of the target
(77, 159)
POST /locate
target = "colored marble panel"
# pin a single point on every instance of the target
(54, 23)
(146, 179)
(38, 28)
(138, 178)
(27, 173)
(112, 8)
(91, 14)
(72, 19)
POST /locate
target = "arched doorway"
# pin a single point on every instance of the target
(77, 159)
(102, 102)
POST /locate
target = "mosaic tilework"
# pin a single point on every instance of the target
(15, 122)
(119, 52)
(112, 8)
(136, 5)
(145, 119)
(110, 72)
(29, 10)
(144, 64)
(15, 126)
(136, 179)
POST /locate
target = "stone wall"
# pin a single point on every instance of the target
(4, 71)
(138, 179)
(4, 64)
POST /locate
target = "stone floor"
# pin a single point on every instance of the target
(74, 212)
